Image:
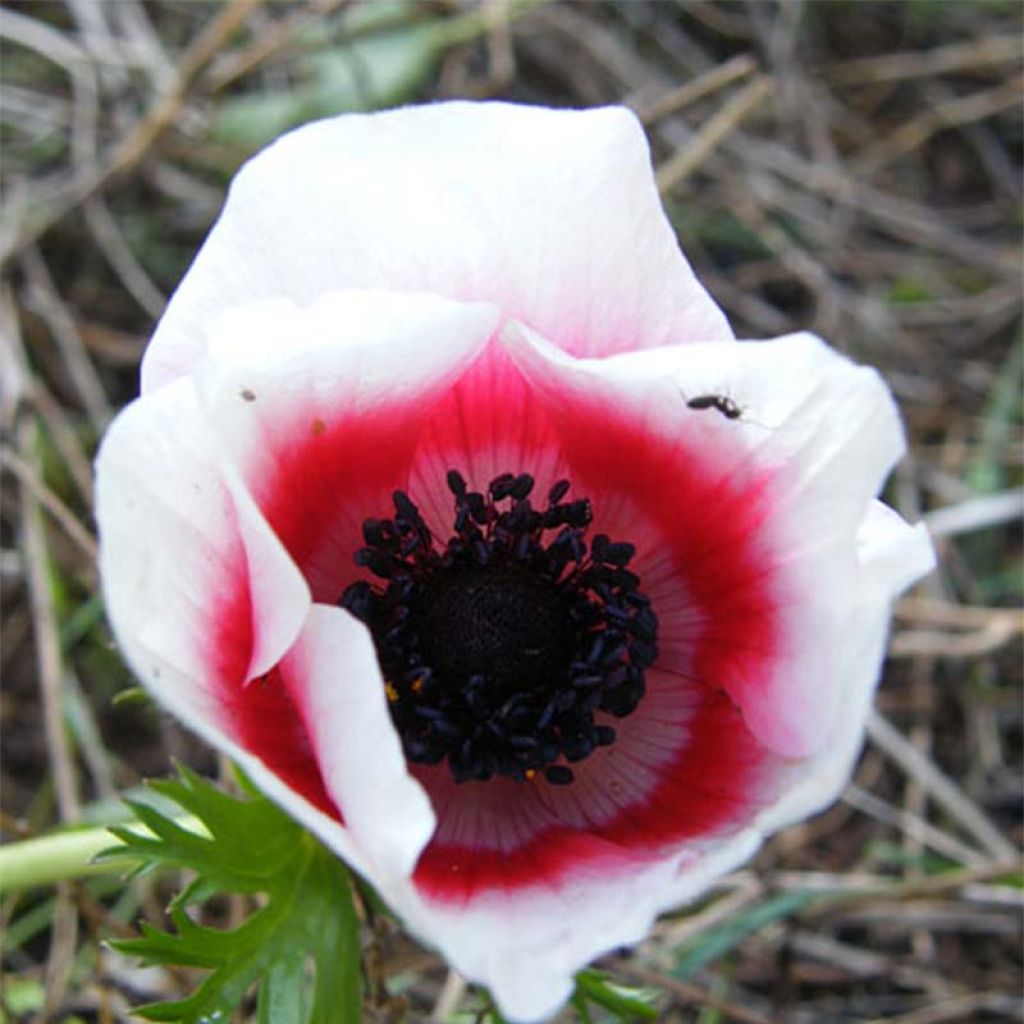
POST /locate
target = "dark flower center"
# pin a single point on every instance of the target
(504, 623)
(499, 648)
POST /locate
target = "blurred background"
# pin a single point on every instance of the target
(851, 167)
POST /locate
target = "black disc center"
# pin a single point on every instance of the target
(507, 648)
(505, 624)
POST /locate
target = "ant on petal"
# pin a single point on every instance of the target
(725, 405)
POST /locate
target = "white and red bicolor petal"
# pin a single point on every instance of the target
(552, 216)
(178, 591)
(535, 323)
(320, 429)
(791, 481)
(208, 579)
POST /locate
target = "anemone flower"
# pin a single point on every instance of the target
(454, 513)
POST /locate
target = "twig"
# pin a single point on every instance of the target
(686, 160)
(36, 569)
(999, 304)
(61, 959)
(978, 513)
(761, 315)
(914, 133)
(931, 611)
(55, 46)
(161, 115)
(67, 520)
(697, 88)
(690, 993)
(607, 47)
(270, 43)
(728, 23)
(673, 934)
(137, 143)
(451, 994)
(894, 67)
(993, 895)
(141, 41)
(14, 378)
(501, 54)
(30, 110)
(958, 1009)
(112, 244)
(46, 640)
(911, 824)
(111, 346)
(811, 272)
(98, 761)
(864, 963)
(942, 789)
(947, 915)
(975, 644)
(64, 437)
(857, 888)
(901, 217)
(48, 304)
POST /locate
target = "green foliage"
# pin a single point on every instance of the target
(1014, 880)
(993, 468)
(881, 853)
(389, 50)
(594, 989)
(21, 996)
(299, 950)
(716, 942)
(391, 56)
(908, 290)
(625, 1004)
(721, 231)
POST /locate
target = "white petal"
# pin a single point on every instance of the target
(892, 556)
(173, 546)
(551, 215)
(885, 548)
(370, 348)
(333, 676)
(526, 946)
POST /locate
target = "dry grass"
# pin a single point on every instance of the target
(849, 167)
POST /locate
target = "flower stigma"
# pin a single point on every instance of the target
(501, 649)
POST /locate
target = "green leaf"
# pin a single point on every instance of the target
(299, 951)
(624, 1003)
(23, 995)
(716, 942)
(579, 1004)
(392, 54)
(277, 996)
(909, 290)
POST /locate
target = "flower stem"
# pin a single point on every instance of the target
(64, 855)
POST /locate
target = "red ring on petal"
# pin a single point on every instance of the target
(711, 526)
(713, 781)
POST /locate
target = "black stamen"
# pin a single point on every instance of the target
(558, 775)
(456, 483)
(500, 648)
(725, 405)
